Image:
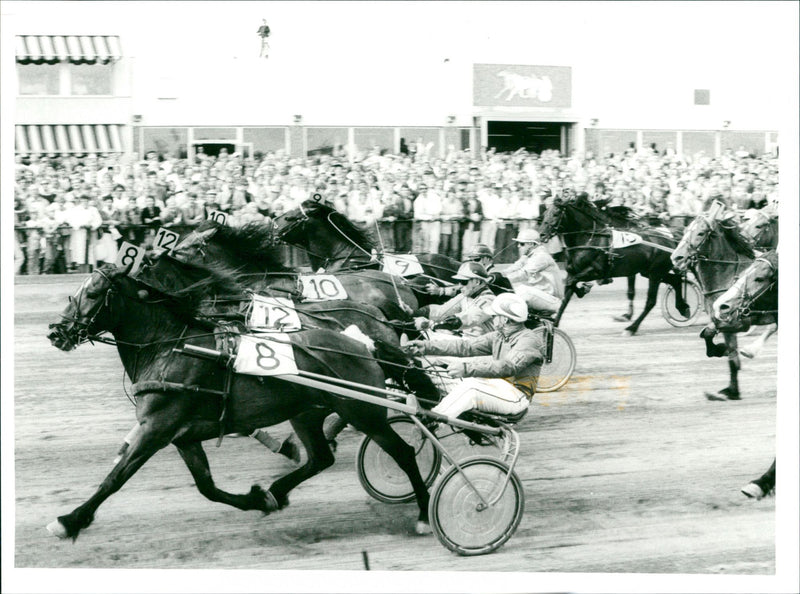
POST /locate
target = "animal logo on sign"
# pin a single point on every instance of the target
(525, 87)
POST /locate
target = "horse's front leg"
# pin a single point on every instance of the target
(155, 433)
(627, 316)
(752, 350)
(308, 427)
(734, 364)
(569, 290)
(676, 281)
(712, 349)
(652, 295)
(195, 458)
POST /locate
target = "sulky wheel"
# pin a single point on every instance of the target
(454, 509)
(694, 297)
(556, 374)
(382, 478)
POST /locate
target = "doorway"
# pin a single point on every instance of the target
(534, 137)
(213, 149)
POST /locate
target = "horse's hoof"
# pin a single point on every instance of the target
(622, 318)
(422, 528)
(715, 397)
(57, 529)
(627, 332)
(747, 353)
(753, 491)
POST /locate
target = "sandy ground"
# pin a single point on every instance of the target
(627, 469)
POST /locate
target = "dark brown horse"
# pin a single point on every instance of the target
(254, 251)
(335, 243)
(714, 247)
(587, 239)
(185, 401)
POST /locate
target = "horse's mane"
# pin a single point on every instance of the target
(189, 283)
(740, 244)
(254, 243)
(358, 235)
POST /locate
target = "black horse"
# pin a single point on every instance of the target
(335, 243)
(587, 238)
(254, 251)
(185, 401)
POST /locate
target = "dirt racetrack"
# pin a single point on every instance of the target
(627, 469)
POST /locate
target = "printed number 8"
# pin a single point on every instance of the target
(260, 348)
(130, 256)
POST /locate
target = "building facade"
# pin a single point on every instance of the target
(81, 94)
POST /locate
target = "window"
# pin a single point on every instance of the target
(325, 141)
(165, 141)
(38, 79)
(368, 138)
(702, 97)
(265, 140)
(91, 79)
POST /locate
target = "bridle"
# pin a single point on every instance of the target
(79, 331)
(746, 301)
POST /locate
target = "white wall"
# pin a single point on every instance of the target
(634, 64)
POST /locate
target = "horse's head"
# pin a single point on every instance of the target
(553, 220)
(760, 277)
(194, 246)
(711, 234)
(87, 312)
(696, 235)
(290, 227)
(760, 227)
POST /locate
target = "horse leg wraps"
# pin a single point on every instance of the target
(127, 442)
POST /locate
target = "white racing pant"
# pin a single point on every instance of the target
(485, 394)
(537, 299)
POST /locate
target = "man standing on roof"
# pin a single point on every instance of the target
(536, 276)
(263, 33)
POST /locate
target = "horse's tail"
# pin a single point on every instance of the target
(404, 370)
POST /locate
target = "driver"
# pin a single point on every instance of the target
(467, 310)
(500, 369)
(535, 276)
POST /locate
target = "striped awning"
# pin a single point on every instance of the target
(70, 139)
(78, 49)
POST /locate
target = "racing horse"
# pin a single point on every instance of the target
(185, 401)
(715, 248)
(752, 300)
(761, 226)
(336, 243)
(591, 255)
(254, 250)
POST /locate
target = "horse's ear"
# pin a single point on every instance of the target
(715, 209)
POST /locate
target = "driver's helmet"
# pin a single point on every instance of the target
(511, 306)
(528, 236)
(480, 250)
(470, 270)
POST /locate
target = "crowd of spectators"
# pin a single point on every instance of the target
(72, 213)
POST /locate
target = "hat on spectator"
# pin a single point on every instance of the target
(118, 187)
(528, 236)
